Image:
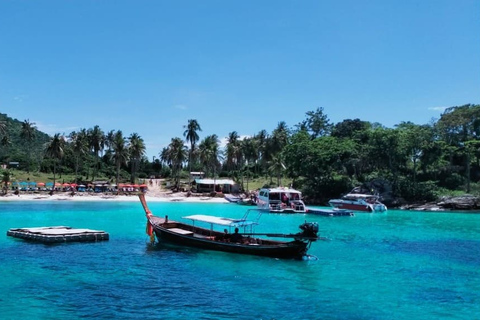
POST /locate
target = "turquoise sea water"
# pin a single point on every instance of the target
(398, 265)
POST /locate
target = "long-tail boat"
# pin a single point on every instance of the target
(247, 242)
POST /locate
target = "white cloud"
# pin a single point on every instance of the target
(440, 109)
(20, 98)
(52, 129)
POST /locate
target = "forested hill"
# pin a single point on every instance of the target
(15, 148)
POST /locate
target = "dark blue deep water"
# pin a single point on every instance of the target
(395, 265)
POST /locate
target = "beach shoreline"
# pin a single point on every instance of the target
(156, 197)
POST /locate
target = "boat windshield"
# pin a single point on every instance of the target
(274, 196)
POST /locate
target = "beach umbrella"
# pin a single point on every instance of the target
(23, 183)
(73, 184)
(32, 183)
(49, 184)
(57, 184)
(41, 184)
(66, 185)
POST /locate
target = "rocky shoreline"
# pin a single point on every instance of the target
(446, 203)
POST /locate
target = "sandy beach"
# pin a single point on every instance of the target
(154, 194)
(60, 196)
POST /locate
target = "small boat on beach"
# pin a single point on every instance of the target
(232, 198)
(246, 242)
(359, 202)
(281, 200)
(244, 201)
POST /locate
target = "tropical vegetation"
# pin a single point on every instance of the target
(414, 162)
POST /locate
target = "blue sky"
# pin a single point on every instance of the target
(149, 66)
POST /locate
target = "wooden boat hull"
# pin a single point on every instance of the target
(268, 248)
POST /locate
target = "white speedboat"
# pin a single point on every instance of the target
(281, 200)
(359, 202)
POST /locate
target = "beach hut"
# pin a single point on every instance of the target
(220, 185)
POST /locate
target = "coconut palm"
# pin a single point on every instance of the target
(79, 144)
(177, 155)
(261, 140)
(277, 167)
(191, 136)
(28, 134)
(210, 154)
(5, 141)
(55, 150)
(109, 137)
(96, 139)
(120, 153)
(6, 176)
(232, 151)
(137, 149)
(279, 137)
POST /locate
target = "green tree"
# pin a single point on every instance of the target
(178, 155)
(233, 151)
(28, 135)
(316, 123)
(191, 136)
(137, 151)
(209, 154)
(6, 176)
(120, 153)
(96, 139)
(55, 150)
(79, 145)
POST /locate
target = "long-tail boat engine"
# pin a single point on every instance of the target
(309, 230)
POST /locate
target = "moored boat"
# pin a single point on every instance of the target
(281, 200)
(359, 202)
(247, 242)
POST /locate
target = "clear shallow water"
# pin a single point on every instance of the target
(398, 265)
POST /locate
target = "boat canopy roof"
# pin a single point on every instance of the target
(281, 189)
(221, 221)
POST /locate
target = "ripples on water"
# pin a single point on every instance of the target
(399, 265)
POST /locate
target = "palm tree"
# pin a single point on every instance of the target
(27, 133)
(210, 154)
(261, 140)
(79, 143)
(6, 175)
(177, 154)
(232, 151)
(109, 137)
(5, 141)
(137, 151)
(119, 152)
(96, 140)
(191, 136)
(55, 150)
(277, 167)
